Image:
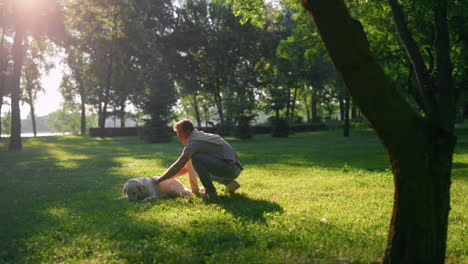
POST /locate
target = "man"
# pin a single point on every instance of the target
(211, 156)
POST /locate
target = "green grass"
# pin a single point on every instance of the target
(312, 198)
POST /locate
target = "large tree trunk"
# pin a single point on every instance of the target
(420, 152)
(445, 90)
(18, 56)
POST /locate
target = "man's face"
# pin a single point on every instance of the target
(183, 135)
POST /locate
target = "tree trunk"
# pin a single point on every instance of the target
(197, 111)
(18, 56)
(293, 107)
(107, 92)
(30, 101)
(445, 90)
(353, 110)
(288, 105)
(81, 91)
(83, 117)
(306, 105)
(346, 116)
(122, 114)
(219, 105)
(419, 151)
(465, 112)
(33, 119)
(342, 107)
(314, 102)
(418, 230)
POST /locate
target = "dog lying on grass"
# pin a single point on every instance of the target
(144, 189)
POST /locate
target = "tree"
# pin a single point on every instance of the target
(31, 85)
(6, 120)
(67, 119)
(4, 57)
(15, 137)
(306, 59)
(420, 148)
(73, 84)
(153, 53)
(41, 18)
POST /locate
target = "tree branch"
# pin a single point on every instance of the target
(412, 49)
(444, 90)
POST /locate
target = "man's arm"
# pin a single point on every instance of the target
(177, 166)
(183, 171)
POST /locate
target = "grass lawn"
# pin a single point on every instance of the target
(315, 197)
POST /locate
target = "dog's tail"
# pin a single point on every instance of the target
(120, 198)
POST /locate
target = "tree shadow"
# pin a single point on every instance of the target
(245, 208)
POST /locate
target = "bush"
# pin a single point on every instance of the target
(156, 131)
(280, 127)
(244, 130)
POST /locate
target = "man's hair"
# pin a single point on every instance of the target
(183, 125)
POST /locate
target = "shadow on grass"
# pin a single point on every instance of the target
(246, 208)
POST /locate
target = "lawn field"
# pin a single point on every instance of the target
(314, 197)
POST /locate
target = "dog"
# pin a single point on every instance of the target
(144, 189)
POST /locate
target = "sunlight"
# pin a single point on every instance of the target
(59, 213)
(28, 8)
(33, 12)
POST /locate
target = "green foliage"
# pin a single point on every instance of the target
(296, 205)
(280, 127)
(68, 119)
(251, 11)
(6, 123)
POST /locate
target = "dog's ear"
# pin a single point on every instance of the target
(140, 187)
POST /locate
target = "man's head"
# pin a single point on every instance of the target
(183, 128)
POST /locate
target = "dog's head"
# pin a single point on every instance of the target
(134, 190)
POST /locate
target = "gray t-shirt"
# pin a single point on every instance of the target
(223, 152)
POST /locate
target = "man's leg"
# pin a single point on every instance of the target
(210, 168)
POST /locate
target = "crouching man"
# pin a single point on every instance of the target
(212, 158)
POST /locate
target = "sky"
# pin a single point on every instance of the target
(48, 101)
